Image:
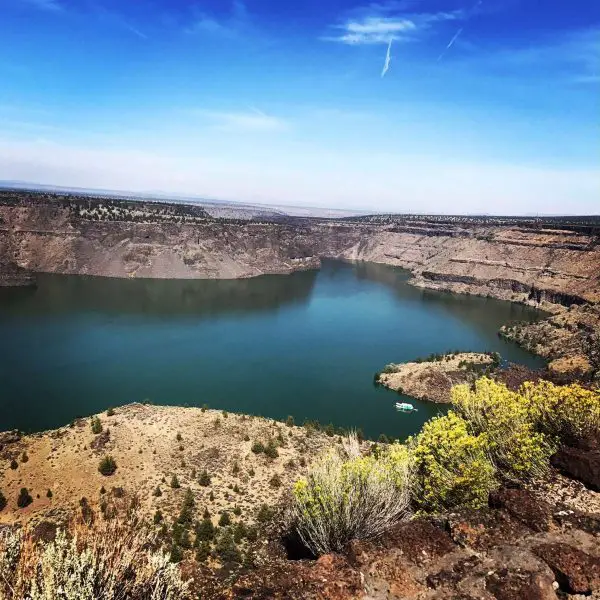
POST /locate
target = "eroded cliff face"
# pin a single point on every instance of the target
(549, 264)
(539, 265)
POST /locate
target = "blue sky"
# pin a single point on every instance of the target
(488, 106)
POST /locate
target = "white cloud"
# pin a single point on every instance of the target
(374, 30)
(251, 120)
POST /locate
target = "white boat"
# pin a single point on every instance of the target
(405, 407)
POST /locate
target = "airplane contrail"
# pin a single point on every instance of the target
(450, 44)
(388, 58)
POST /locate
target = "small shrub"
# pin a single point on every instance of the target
(204, 407)
(224, 519)
(258, 447)
(49, 494)
(349, 496)
(176, 555)
(246, 437)
(225, 414)
(290, 421)
(265, 513)
(206, 514)
(24, 457)
(14, 464)
(203, 552)
(235, 469)
(178, 437)
(3, 501)
(187, 509)
(158, 517)
(275, 481)
(205, 531)
(237, 511)
(96, 425)
(211, 496)
(252, 533)
(157, 493)
(226, 548)
(175, 482)
(24, 498)
(204, 479)
(239, 532)
(110, 412)
(107, 466)
(271, 450)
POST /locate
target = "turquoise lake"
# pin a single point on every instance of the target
(305, 344)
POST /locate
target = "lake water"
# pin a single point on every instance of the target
(305, 344)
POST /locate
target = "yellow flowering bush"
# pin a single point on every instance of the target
(452, 467)
(502, 419)
(565, 411)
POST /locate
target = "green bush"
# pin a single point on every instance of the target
(204, 479)
(107, 466)
(271, 450)
(157, 493)
(24, 457)
(96, 425)
(158, 517)
(224, 519)
(226, 548)
(14, 464)
(24, 498)
(205, 531)
(289, 421)
(265, 514)
(275, 481)
(175, 482)
(203, 552)
(110, 412)
(258, 447)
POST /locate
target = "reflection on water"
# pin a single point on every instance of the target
(305, 344)
(72, 294)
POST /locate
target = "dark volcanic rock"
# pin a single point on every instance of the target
(517, 585)
(452, 576)
(484, 528)
(419, 541)
(524, 506)
(575, 571)
(100, 441)
(9, 437)
(580, 464)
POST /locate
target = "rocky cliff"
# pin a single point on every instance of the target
(549, 263)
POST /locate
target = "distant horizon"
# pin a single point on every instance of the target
(175, 198)
(391, 106)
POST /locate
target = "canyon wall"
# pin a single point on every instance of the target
(552, 264)
(550, 267)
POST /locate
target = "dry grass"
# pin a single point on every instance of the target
(109, 560)
(143, 439)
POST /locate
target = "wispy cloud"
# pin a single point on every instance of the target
(250, 120)
(114, 19)
(49, 5)
(388, 59)
(379, 23)
(450, 43)
(230, 25)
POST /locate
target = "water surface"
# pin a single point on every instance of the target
(305, 344)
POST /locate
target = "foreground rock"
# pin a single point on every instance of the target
(432, 379)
